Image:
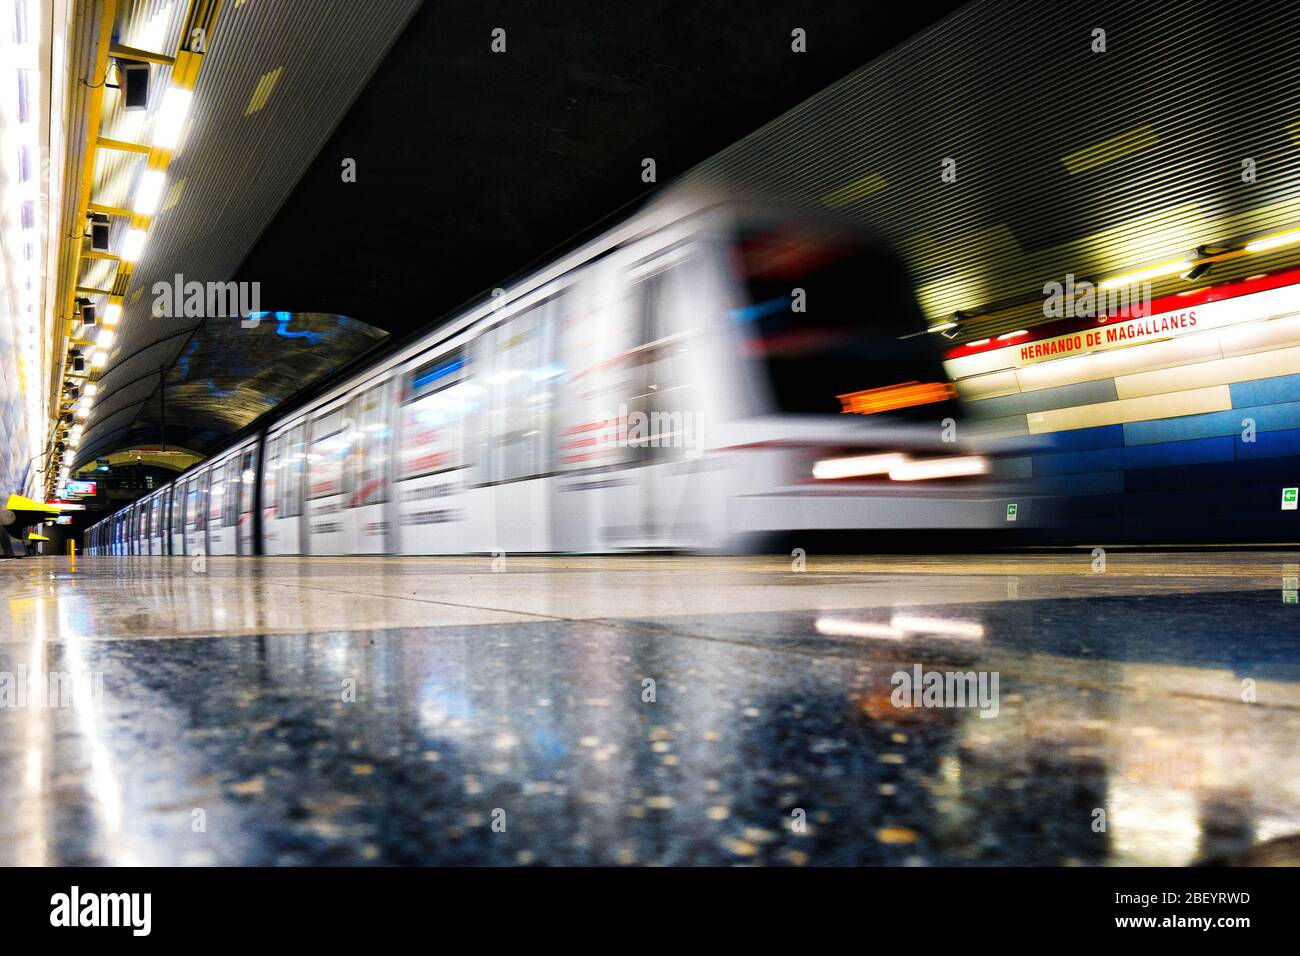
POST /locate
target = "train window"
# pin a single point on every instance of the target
(156, 519)
(437, 400)
(178, 508)
(371, 448)
(828, 315)
(331, 442)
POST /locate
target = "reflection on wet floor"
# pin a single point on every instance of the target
(1141, 728)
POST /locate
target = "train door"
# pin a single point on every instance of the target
(247, 460)
(632, 432)
(328, 480)
(196, 514)
(519, 364)
(220, 536)
(370, 460)
(177, 516)
(157, 524)
(597, 490)
(282, 492)
(437, 400)
(683, 498)
(271, 482)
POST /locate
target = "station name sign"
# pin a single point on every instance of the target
(1126, 332)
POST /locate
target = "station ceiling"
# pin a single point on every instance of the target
(470, 164)
(1069, 159)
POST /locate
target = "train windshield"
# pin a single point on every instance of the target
(825, 325)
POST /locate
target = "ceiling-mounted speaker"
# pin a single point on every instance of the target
(99, 232)
(88, 314)
(78, 364)
(133, 80)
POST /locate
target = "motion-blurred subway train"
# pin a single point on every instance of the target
(698, 377)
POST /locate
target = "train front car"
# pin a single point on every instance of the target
(818, 402)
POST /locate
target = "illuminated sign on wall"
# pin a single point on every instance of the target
(80, 489)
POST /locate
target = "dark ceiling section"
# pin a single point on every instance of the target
(472, 164)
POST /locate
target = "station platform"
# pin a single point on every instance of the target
(652, 709)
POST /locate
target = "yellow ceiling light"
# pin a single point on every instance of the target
(105, 338)
(113, 314)
(1172, 267)
(1273, 242)
(149, 193)
(133, 245)
(90, 390)
(99, 359)
(171, 117)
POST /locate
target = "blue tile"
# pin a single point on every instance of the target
(1212, 424)
(1266, 391)
(1270, 444)
(1079, 462)
(1166, 454)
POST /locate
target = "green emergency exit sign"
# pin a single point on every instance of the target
(1290, 496)
(1013, 509)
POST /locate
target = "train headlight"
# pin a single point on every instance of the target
(926, 468)
(899, 467)
(858, 466)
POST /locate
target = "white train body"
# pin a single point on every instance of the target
(670, 385)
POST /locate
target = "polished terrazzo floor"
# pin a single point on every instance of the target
(438, 711)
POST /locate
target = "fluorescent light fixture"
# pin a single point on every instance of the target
(113, 313)
(928, 468)
(105, 338)
(980, 342)
(90, 389)
(1273, 242)
(831, 468)
(1012, 335)
(149, 193)
(99, 359)
(942, 327)
(171, 117)
(133, 245)
(1172, 267)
